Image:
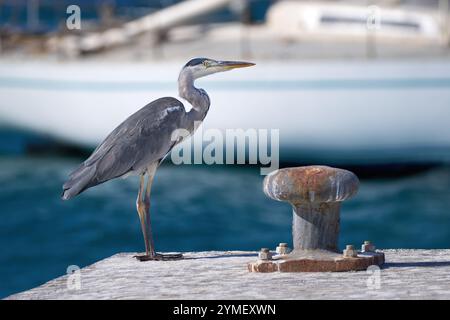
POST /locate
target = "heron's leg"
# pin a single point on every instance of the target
(154, 256)
(148, 225)
(143, 212)
(143, 204)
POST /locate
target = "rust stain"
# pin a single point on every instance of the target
(359, 263)
(307, 184)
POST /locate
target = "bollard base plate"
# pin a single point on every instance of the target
(319, 261)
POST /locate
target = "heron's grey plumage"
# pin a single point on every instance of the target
(143, 138)
(141, 142)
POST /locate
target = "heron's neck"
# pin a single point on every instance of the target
(198, 98)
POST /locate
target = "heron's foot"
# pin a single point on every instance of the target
(145, 257)
(169, 256)
(160, 257)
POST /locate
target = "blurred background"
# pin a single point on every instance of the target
(363, 85)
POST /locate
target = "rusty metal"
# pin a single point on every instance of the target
(315, 265)
(315, 194)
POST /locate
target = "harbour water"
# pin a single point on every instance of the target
(194, 208)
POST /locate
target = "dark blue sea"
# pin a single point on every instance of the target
(194, 208)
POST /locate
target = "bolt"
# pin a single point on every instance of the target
(265, 254)
(315, 193)
(350, 251)
(367, 246)
(283, 248)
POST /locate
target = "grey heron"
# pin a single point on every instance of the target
(142, 141)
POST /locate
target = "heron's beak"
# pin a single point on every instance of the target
(228, 65)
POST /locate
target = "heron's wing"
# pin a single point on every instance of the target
(143, 138)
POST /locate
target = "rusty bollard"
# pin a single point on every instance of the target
(315, 194)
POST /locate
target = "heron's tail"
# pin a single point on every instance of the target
(79, 181)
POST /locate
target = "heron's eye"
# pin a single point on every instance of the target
(206, 63)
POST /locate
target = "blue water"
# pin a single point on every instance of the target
(194, 208)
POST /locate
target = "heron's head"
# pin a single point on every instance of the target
(200, 67)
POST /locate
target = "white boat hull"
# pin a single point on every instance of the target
(324, 106)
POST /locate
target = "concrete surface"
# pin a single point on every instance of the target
(408, 274)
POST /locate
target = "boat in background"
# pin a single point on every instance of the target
(297, 20)
(369, 95)
(378, 107)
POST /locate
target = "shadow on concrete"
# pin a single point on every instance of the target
(236, 255)
(416, 264)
